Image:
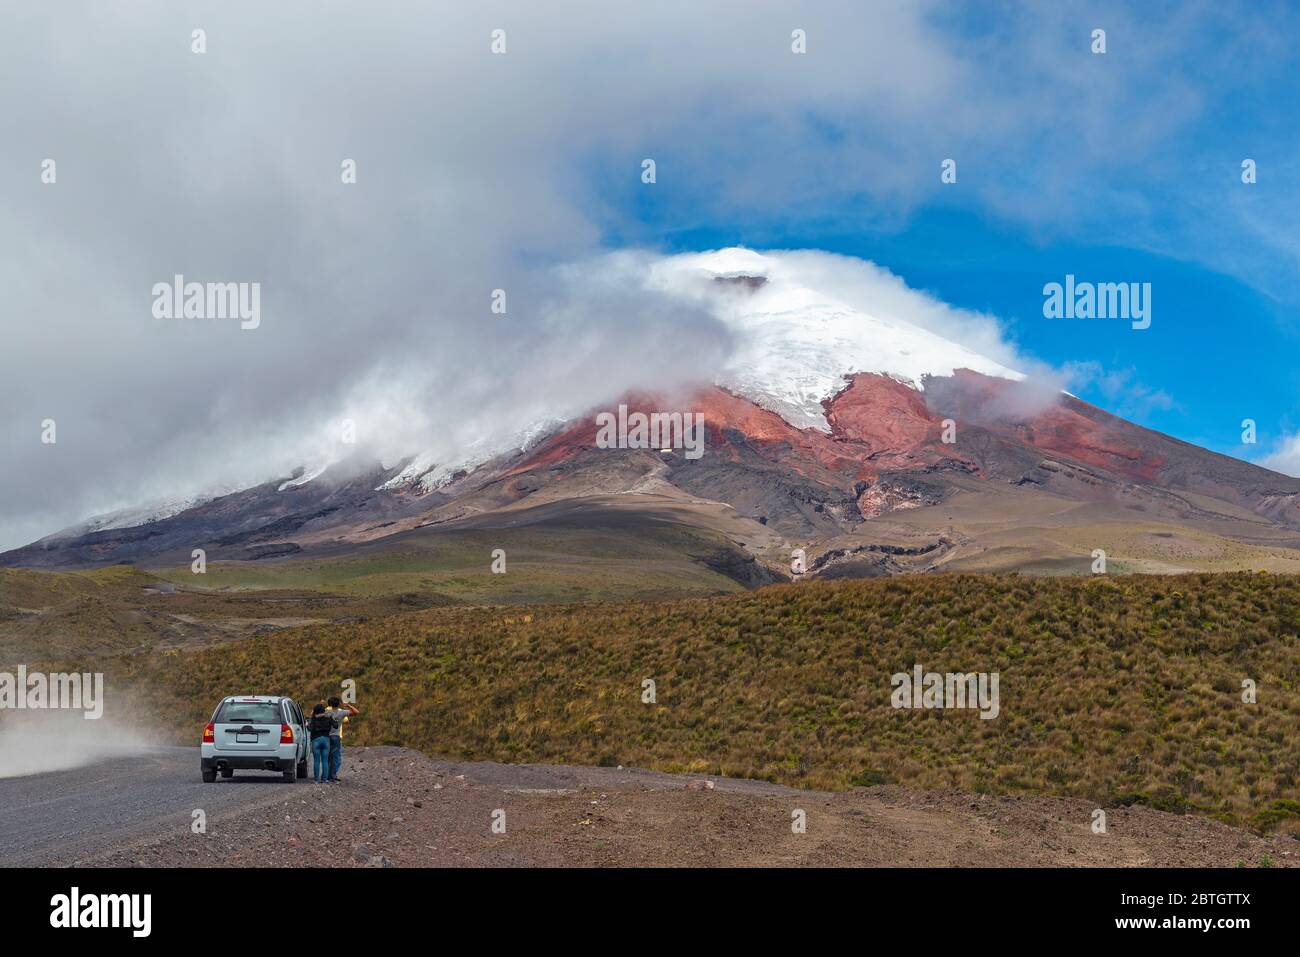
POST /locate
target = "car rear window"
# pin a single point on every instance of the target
(248, 712)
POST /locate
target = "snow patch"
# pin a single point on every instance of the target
(796, 343)
(307, 475)
(147, 514)
(426, 472)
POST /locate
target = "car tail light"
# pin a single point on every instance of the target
(210, 734)
(286, 734)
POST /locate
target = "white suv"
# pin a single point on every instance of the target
(255, 732)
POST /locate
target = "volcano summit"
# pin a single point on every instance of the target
(844, 423)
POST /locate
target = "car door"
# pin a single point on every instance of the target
(299, 724)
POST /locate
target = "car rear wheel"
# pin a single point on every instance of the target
(290, 774)
(227, 772)
(209, 776)
(302, 768)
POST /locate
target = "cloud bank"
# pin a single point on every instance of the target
(478, 172)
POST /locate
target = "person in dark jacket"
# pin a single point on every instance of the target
(321, 726)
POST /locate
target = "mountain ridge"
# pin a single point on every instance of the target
(884, 455)
(830, 420)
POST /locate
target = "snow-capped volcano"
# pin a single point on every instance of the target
(826, 412)
(797, 340)
(800, 323)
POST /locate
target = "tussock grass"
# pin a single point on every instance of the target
(1120, 690)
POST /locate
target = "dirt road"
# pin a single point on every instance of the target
(400, 808)
(63, 815)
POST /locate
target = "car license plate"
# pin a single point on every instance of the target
(246, 739)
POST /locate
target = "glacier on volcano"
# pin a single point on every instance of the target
(801, 321)
(797, 340)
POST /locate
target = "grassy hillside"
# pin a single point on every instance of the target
(45, 615)
(119, 608)
(553, 563)
(1112, 689)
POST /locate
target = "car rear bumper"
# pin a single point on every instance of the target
(247, 762)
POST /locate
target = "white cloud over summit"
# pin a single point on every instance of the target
(475, 172)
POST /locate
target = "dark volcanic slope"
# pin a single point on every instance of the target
(885, 453)
(1104, 445)
(254, 523)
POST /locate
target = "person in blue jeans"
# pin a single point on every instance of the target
(339, 712)
(321, 726)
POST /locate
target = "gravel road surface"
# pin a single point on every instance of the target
(400, 808)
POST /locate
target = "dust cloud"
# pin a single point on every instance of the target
(37, 742)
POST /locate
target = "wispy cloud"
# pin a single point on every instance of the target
(1123, 393)
(1285, 457)
(478, 172)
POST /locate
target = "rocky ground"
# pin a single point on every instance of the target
(399, 808)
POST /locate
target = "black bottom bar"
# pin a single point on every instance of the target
(507, 905)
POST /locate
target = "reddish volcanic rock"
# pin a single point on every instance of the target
(879, 425)
(888, 423)
(1065, 431)
(732, 425)
(558, 448)
(1050, 421)
(880, 412)
(806, 451)
(884, 453)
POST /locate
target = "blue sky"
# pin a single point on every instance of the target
(480, 171)
(1217, 352)
(1115, 167)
